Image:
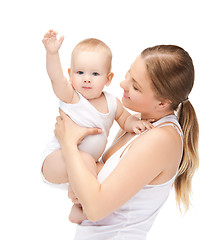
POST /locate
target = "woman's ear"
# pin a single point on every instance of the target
(109, 78)
(163, 104)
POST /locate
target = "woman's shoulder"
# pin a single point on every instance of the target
(162, 142)
(154, 155)
(164, 134)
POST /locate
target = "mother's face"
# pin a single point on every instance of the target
(138, 94)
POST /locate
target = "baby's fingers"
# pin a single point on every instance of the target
(61, 40)
(48, 34)
(52, 33)
(137, 131)
(148, 124)
(139, 128)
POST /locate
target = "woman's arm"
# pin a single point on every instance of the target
(141, 164)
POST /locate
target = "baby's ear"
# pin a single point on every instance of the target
(109, 78)
(69, 72)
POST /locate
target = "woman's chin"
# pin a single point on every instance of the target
(126, 104)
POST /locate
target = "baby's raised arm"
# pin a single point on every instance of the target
(131, 123)
(61, 86)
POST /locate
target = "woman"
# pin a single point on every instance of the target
(139, 170)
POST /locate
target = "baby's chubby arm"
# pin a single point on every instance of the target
(61, 86)
(131, 123)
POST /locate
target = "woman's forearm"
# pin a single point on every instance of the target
(84, 183)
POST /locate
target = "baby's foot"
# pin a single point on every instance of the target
(76, 214)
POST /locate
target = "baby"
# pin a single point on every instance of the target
(82, 98)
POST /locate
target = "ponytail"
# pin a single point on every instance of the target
(190, 159)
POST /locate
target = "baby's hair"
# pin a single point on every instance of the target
(92, 45)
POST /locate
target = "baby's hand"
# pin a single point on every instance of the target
(142, 125)
(51, 43)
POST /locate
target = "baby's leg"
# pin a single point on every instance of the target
(77, 215)
(54, 168)
(54, 171)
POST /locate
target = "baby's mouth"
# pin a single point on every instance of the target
(86, 87)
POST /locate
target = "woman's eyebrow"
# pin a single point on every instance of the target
(134, 80)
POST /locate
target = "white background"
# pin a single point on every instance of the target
(28, 208)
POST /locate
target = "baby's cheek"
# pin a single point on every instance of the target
(75, 84)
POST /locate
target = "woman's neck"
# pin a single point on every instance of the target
(156, 116)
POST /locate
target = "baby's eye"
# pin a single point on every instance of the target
(95, 74)
(80, 72)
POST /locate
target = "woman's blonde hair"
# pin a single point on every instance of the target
(172, 73)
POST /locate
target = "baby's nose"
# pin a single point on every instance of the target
(87, 80)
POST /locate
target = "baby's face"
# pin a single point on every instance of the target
(89, 73)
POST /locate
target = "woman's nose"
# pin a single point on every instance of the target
(123, 84)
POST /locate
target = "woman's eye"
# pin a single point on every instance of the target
(95, 74)
(135, 88)
(80, 72)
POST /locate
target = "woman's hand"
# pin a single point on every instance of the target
(69, 133)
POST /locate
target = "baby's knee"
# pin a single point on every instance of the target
(54, 168)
